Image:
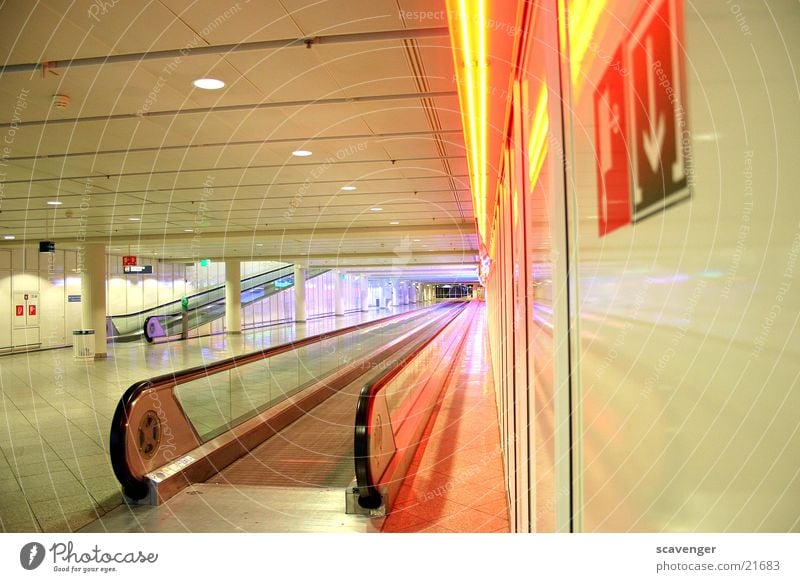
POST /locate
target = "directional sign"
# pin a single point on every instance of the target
(613, 166)
(138, 269)
(641, 136)
(656, 109)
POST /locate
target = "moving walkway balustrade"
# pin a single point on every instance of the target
(182, 428)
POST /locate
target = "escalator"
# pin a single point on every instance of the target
(327, 422)
(204, 307)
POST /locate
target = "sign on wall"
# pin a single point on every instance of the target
(138, 269)
(641, 135)
(128, 260)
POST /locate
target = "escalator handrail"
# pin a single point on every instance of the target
(203, 292)
(135, 487)
(173, 317)
(369, 497)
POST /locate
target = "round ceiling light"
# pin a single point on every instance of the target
(208, 84)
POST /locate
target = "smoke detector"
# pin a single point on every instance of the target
(61, 101)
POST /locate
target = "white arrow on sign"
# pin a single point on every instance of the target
(652, 140)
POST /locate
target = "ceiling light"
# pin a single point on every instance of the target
(134, 218)
(394, 222)
(55, 202)
(416, 240)
(301, 153)
(259, 244)
(376, 209)
(9, 237)
(348, 188)
(188, 230)
(208, 84)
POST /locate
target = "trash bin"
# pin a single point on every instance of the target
(83, 344)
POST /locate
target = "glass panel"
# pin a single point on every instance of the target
(215, 403)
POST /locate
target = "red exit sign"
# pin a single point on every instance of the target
(128, 261)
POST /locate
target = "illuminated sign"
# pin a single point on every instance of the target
(640, 113)
(128, 260)
(205, 262)
(138, 269)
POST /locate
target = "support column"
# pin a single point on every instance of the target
(93, 297)
(233, 297)
(412, 289)
(300, 313)
(364, 282)
(338, 299)
(406, 292)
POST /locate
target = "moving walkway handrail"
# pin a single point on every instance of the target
(369, 497)
(136, 486)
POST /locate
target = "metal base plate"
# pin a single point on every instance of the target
(207, 507)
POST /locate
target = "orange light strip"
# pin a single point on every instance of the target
(537, 144)
(583, 18)
(468, 40)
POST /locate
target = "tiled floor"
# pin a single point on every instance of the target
(55, 414)
(455, 483)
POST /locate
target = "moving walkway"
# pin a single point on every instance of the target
(325, 426)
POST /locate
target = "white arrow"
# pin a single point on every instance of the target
(652, 140)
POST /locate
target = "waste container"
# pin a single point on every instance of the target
(83, 344)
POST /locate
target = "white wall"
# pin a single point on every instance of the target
(54, 278)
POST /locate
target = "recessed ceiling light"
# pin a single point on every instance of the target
(394, 222)
(208, 84)
(348, 188)
(134, 218)
(188, 230)
(259, 244)
(55, 202)
(9, 237)
(416, 240)
(376, 209)
(301, 153)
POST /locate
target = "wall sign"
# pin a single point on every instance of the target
(73, 298)
(128, 260)
(641, 135)
(20, 311)
(138, 269)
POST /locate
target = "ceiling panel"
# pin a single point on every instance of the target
(182, 170)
